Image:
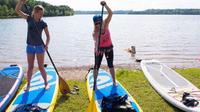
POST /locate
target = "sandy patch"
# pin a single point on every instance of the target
(79, 73)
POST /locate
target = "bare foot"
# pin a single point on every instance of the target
(26, 88)
(95, 88)
(115, 84)
(46, 87)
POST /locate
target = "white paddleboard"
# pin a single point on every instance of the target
(170, 85)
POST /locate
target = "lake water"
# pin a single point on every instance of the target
(172, 39)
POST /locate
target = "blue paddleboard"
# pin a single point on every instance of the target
(10, 80)
(106, 88)
(37, 96)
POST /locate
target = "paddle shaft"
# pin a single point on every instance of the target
(99, 39)
(100, 30)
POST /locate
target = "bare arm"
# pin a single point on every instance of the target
(109, 17)
(47, 35)
(19, 11)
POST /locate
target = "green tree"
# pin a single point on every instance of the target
(7, 8)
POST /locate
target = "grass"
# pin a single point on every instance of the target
(137, 85)
(73, 103)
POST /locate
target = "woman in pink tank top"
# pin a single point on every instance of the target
(105, 46)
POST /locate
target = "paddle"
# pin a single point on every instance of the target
(99, 37)
(92, 106)
(63, 86)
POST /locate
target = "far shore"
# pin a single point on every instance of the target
(80, 72)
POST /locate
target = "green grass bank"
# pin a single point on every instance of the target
(137, 85)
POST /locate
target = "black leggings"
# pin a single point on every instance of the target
(109, 57)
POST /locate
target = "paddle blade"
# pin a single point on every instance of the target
(64, 87)
(92, 106)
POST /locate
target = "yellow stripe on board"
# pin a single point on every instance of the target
(53, 103)
(89, 91)
(92, 105)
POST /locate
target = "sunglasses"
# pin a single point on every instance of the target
(97, 23)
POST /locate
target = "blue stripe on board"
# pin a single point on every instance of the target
(91, 80)
(10, 72)
(51, 73)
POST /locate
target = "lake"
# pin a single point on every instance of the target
(172, 39)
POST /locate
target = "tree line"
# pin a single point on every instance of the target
(150, 12)
(168, 11)
(7, 8)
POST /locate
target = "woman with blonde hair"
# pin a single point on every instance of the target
(35, 47)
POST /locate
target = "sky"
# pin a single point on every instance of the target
(94, 5)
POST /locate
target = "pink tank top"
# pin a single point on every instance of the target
(105, 40)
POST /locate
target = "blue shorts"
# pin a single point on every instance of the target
(31, 49)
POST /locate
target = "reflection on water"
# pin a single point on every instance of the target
(172, 39)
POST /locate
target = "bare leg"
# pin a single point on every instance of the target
(98, 59)
(112, 72)
(30, 59)
(95, 74)
(40, 58)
